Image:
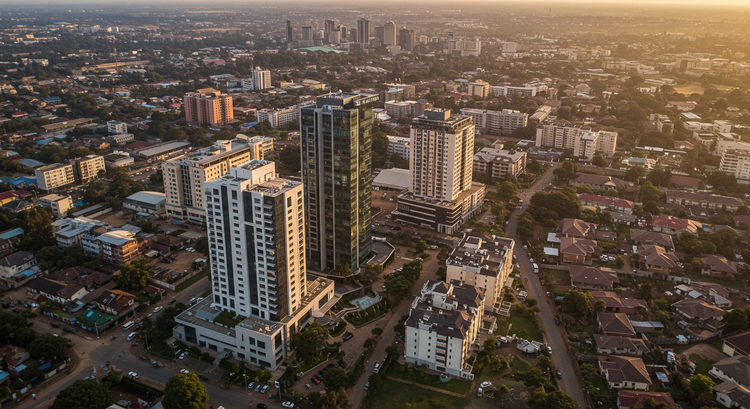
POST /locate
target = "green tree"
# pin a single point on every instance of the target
(335, 379)
(399, 162)
(134, 276)
(599, 161)
(291, 158)
(735, 320)
(157, 178)
(344, 270)
(201, 245)
(507, 190)
(647, 292)
(376, 383)
(701, 384)
(634, 174)
(377, 331)
(185, 391)
(47, 347)
(650, 193)
(263, 375)
(85, 395)
(578, 303)
(333, 400)
(545, 363)
(660, 177)
(421, 246)
(306, 343)
(600, 306)
(399, 286)
(650, 403)
(557, 399)
(37, 225)
(48, 257)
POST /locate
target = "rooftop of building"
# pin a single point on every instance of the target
(475, 186)
(218, 151)
(54, 197)
(479, 250)
(147, 197)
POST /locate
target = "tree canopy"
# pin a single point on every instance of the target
(306, 343)
(48, 346)
(134, 276)
(85, 395)
(185, 391)
(578, 303)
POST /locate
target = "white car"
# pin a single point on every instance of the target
(486, 384)
(183, 355)
(289, 405)
(131, 336)
(133, 375)
(157, 309)
(184, 371)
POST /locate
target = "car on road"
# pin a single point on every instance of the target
(315, 380)
(55, 325)
(71, 330)
(289, 405)
(172, 301)
(89, 378)
(419, 259)
(133, 375)
(307, 385)
(367, 386)
(150, 314)
(157, 309)
(184, 371)
(559, 374)
(261, 406)
(131, 336)
(377, 367)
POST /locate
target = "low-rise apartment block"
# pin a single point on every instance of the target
(58, 203)
(583, 142)
(500, 164)
(278, 117)
(443, 324)
(497, 122)
(399, 145)
(704, 200)
(483, 261)
(88, 167)
(54, 177)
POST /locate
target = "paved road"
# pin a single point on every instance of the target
(555, 336)
(94, 352)
(357, 393)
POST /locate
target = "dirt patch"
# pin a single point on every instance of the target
(704, 350)
(116, 218)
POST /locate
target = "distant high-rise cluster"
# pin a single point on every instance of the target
(341, 36)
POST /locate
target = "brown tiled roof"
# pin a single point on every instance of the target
(685, 181)
(635, 399)
(698, 309)
(115, 299)
(657, 256)
(615, 323)
(572, 245)
(593, 275)
(651, 237)
(716, 199)
(611, 342)
(589, 179)
(577, 227)
(625, 369)
(615, 301)
(719, 263)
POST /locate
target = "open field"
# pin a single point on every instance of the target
(400, 395)
(688, 89)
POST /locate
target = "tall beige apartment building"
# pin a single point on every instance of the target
(441, 193)
(389, 33)
(208, 106)
(185, 177)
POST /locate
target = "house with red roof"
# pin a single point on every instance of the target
(607, 203)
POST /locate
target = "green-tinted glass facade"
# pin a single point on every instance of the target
(336, 138)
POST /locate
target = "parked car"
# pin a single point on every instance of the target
(559, 374)
(261, 406)
(367, 386)
(89, 378)
(258, 386)
(307, 385)
(289, 405)
(71, 330)
(157, 309)
(377, 367)
(315, 380)
(133, 375)
(486, 384)
(172, 301)
(251, 385)
(264, 389)
(184, 371)
(55, 325)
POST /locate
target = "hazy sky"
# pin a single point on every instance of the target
(218, 3)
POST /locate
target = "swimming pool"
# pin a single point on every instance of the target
(364, 302)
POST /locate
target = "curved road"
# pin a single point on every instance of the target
(555, 337)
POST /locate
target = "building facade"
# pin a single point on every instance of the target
(184, 178)
(208, 105)
(261, 78)
(88, 167)
(389, 33)
(497, 122)
(336, 139)
(363, 31)
(53, 177)
(278, 117)
(441, 193)
(581, 141)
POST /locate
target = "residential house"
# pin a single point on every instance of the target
(684, 183)
(675, 226)
(579, 251)
(577, 228)
(606, 203)
(658, 260)
(10, 239)
(599, 182)
(733, 395)
(624, 372)
(624, 218)
(56, 291)
(615, 324)
(615, 303)
(735, 368)
(737, 344)
(607, 345)
(718, 266)
(115, 302)
(13, 358)
(690, 310)
(632, 400)
(639, 236)
(593, 278)
(16, 263)
(704, 200)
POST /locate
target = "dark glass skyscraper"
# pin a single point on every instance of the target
(336, 138)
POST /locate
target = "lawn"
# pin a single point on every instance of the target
(524, 327)
(588, 328)
(520, 365)
(559, 277)
(604, 390)
(623, 232)
(699, 277)
(704, 365)
(226, 318)
(502, 325)
(717, 343)
(192, 280)
(434, 381)
(400, 395)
